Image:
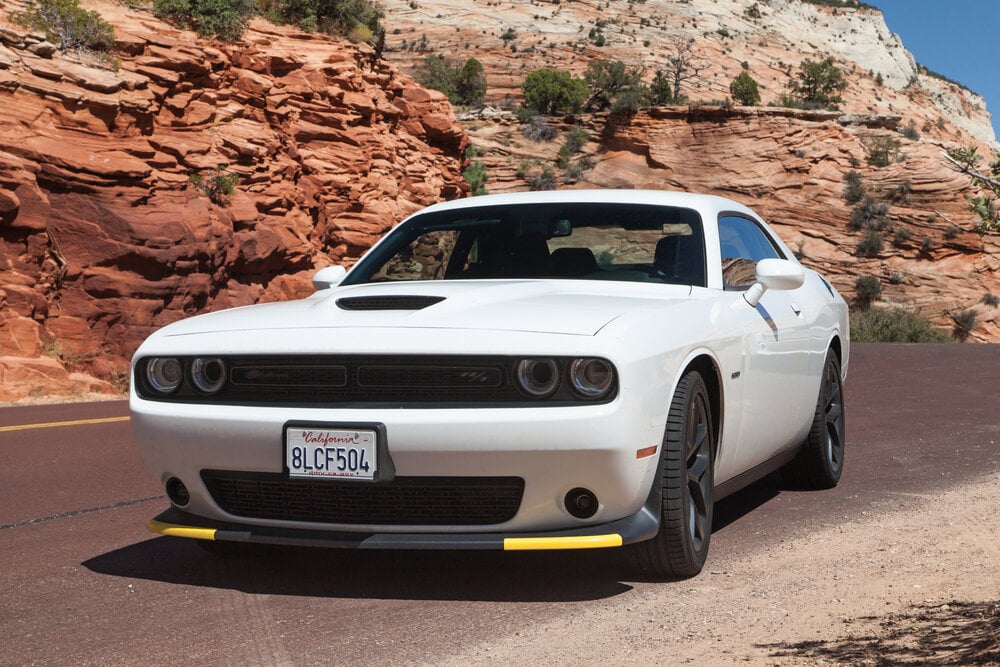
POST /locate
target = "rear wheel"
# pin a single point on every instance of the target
(686, 466)
(821, 461)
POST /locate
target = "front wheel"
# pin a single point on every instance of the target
(821, 461)
(686, 469)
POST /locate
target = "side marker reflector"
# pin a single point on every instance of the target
(546, 543)
(646, 452)
(173, 530)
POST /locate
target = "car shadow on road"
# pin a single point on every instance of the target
(551, 576)
(409, 575)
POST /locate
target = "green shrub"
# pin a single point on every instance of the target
(902, 237)
(465, 84)
(882, 150)
(536, 129)
(927, 244)
(744, 90)
(541, 179)
(225, 19)
(951, 232)
(965, 322)
(991, 299)
(67, 24)
(475, 175)
(893, 325)
(218, 187)
(854, 188)
(870, 214)
(910, 131)
(867, 289)
(554, 92)
(870, 245)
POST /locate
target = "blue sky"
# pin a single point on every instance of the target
(956, 38)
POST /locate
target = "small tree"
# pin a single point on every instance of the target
(966, 160)
(554, 92)
(615, 85)
(471, 84)
(819, 84)
(463, 85)
(744, 90)
(683, 65)
(66, 23)
(661, 90)
(882, 150)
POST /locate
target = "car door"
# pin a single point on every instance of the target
(775, 349)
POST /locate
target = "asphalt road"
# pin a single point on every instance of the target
(82, 582)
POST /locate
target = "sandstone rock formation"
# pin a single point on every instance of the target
(786, 164)
(114, 217)
(105, 234)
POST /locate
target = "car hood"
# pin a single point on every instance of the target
(573, 307)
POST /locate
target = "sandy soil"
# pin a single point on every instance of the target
(915, 581)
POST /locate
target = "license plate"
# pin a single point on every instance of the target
(332, 453)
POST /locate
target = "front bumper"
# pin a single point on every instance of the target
(641, 526)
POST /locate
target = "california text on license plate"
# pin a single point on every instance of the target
(323, 452)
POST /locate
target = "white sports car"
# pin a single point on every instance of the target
(557, 370)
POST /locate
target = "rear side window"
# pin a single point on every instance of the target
(742, 244)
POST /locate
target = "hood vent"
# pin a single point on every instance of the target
(388, 302)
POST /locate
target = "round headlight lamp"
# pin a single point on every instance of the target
(208, 374)
(591, 378)
(164, 374)
(537, 377)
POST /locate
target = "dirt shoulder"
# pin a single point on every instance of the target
(916, 582)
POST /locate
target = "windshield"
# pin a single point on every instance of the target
(581, 241)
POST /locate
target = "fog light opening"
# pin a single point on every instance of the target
(581, 503)
(177, 492)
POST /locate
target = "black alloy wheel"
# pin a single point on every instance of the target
(686, 468)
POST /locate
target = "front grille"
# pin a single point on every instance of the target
(406, 501)
(369, 381)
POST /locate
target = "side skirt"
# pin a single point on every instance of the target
(744, 479)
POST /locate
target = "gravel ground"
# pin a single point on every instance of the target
(914, 582)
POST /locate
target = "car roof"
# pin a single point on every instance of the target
(701, 202)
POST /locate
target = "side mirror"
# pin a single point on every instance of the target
(779, 274)
(328, 277)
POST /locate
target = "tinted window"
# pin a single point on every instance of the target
(742, 244)
(592, 241)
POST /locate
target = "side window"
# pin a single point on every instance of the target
(743, 244)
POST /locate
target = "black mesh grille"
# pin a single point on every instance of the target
(388, 302)
(406, 501)
(369, 381)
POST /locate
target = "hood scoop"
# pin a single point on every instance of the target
(388, 302)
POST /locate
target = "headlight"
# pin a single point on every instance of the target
(591, 378)
(164, 375)
(208, 374)
(537, 377)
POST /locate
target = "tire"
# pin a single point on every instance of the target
(820, 462)
(686, 470)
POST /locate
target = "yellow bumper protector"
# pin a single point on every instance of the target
(582, 542)
(173, 530)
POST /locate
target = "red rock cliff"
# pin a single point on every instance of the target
(105, 234)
